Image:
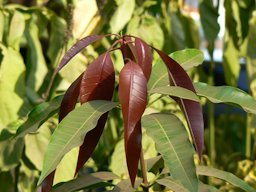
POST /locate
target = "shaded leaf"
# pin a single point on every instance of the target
(173, 144)
(125, 186)
(229, 177)
(71, 131)
(191, 109)
(206, 188)
(122, 15)
(133, 99)
(38, 116)
(12, 85)
(79, 46)
(226, 94)
(176, 92)
(144, 57)
(171, 184)
(98, 83)
(84, 181)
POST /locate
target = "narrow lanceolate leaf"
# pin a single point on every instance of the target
(71, 131)
(171, 184)
(38, 116)
(80, 45)
(227, 94)
(128, 50)
(144, 57)
(68, 104)
(229, 177)
(97, 84)
(191, 109)
(173, 144)
(85, 181)
(133, 99)
(175, 91)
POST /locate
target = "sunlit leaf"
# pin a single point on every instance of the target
(173, 144)
(84, 181)
(227, 94)
(229, 177)
(133, 99)
(39, 115)
(12, 86)
(191, 109)
(176, 92)
(71, 131)
(122, 15)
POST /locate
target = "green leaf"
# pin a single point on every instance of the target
(38, 116)
(188, 58)
(226, 94)
(206, 188)
(171, 184)
(176, 92)
(122, 15)
(229, 177)
(12, 86)
(85, 181)
(36, 65)
(71, 131)
(173, 143)
(7, 182)
(35, 145)
(16, 30)
(2, 24)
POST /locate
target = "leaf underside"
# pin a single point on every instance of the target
(71, 131)
(191, 109)
(173, 144)
(97, 84)
(133, 99)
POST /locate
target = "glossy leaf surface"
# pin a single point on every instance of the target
(173, 144)
(227, 94)
(75, 49)
(84, 181)
(39, 115)
(97, 84)
(176, 92)
(71, 131)
(144, 57)
(229, 177)
(133, 99)
(191, 109)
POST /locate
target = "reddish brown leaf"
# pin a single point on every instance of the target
(97, 84)
(191, 109)
(128, 50)
(144, 56)
(133, 99)
(76, 48)
(68, 104)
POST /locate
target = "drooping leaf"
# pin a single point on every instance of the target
(144, 57)
(227, 94)
(128, 50)
(68, 103)
(173, 144)
(188, 58)
(39, 115)
(122, 15)
(226, 176)
(84, 181)
(133, 99)
(171, 184)
(206, 188)
(12, 86)
(124, 185)
(191, 109)
(71, 131)
(176, 92)
(98, 83)
(79, 46)
(36, 64)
